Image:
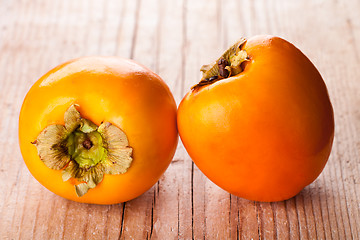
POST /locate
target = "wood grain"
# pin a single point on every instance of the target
(174, 38)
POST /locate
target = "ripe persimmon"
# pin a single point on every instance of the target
(98, 129)
(260, 123)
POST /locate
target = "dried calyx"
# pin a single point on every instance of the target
(83, 150)
(229, 64)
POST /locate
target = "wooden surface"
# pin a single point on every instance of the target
(174, 38)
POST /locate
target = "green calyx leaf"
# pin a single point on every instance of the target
(118, 158)
(78, 150)
(83, 150)
(227, 65)
(51, 147)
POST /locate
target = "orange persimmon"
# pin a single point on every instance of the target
(260, 123)
(105, 126)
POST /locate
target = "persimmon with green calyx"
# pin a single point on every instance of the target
(260, 123)
(98, 129)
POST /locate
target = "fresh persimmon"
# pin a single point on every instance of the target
(260, 123)
(98, 129)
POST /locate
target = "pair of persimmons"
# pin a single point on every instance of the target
(103, 130)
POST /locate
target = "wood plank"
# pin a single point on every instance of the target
(172, 206)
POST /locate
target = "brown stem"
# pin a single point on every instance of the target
(222, 63)
(87, 144)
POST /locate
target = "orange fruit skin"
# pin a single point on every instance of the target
(110, 89)
(265, 133)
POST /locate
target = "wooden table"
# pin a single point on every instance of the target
(174, 38)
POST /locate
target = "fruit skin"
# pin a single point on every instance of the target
(111, 89)
(265, 133)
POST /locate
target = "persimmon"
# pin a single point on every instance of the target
(260, 123)
(98, 129)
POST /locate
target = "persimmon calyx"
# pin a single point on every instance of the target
(227, 65)
(83, 150)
